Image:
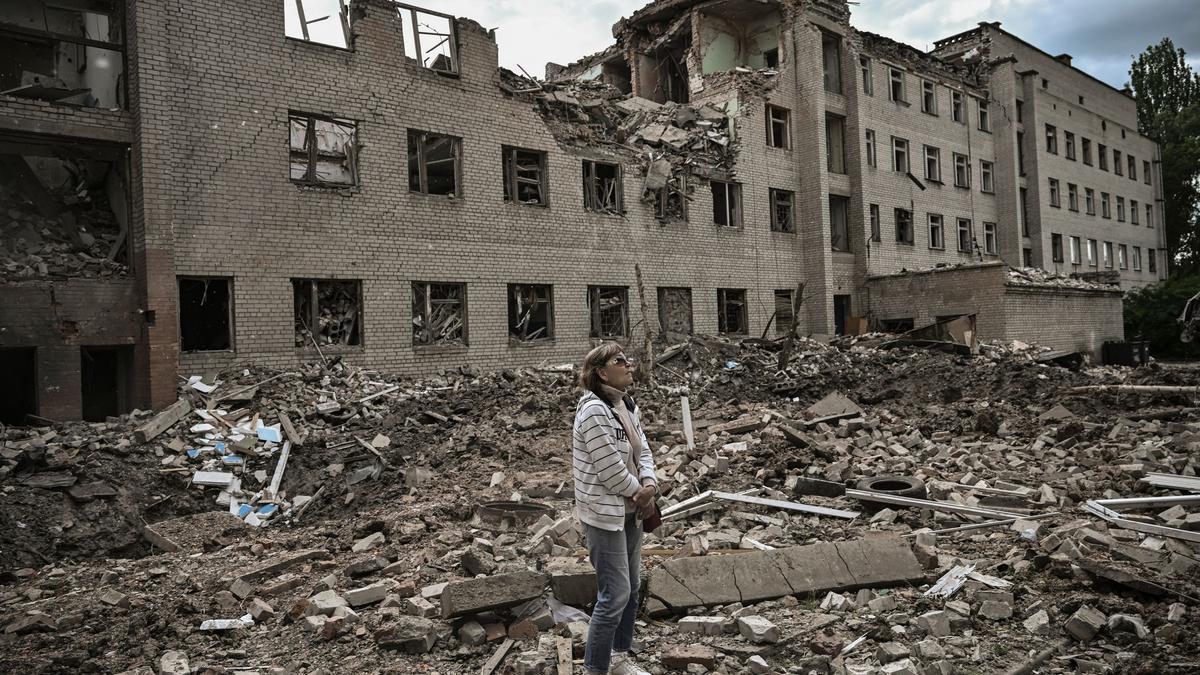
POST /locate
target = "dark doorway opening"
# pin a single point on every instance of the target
(104, 380)
(18, 396)
(841, 311)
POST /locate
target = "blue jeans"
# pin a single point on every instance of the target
(617, 557)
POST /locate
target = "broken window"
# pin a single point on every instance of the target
(1089, 201)
(1069, 144)
(1072, 197)
(1137, 258)
(872, 157)
(986, 169)
(602, 187)
(530, 312)
(70, 53)
(668, 191)
(956, 107)
(964, 235)
(1149, 215)
(205, 314)
(727, 203)
(1117, 162)
(839, 232)
(731, 311)
(1105, 206)
(1051, 139)
(876, 233)
(1056, 247)
(835, 143)
(1108, 255)
(525, 176)
(962, 171)
(1055, 199)
(327, 312)
(322, 21)
(323, 150)
(783, 312)
(434, 163)
(937, 231)
(1152, 260)
(1145, 172)
(429, 38)
(831, 56)
(900, 154)
(439, 313)
(1085, 148)
(1076, 248)
(19, 395)
(1102, 155)
(608, 307)
(781, 210)
(985, 120)
(778, 127)
(1133, 211)
(1092, 254)
(896, 85)
(1122, 256)
(771, 57)
(933, 164)
(675, 311)
(1132, 167)
(928, 97)
(990, 244)
(904, 228)
(864, 65)
(1120, 209)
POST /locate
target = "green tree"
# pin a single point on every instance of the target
(1151, 313)
(1168, 109)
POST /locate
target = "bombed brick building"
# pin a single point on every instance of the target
(277, 181)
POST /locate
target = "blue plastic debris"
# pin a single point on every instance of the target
(267, 510)
(232, 459)
(270, 434)
(244, 510)
(192, 453)
(731, 365)
(220, 447)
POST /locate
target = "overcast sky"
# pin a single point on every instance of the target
(1102, 35)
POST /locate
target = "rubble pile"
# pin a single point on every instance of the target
(857, 510)
(1031, 276)
(75, 238)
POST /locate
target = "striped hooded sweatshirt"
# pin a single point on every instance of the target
(600, 452)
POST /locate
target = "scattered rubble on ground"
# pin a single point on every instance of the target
(861, 510)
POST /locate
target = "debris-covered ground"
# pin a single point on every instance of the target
(426, 527)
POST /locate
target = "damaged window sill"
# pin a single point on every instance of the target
(300, 41)
(332, 349)
(346, 190)
(539, 205)
(205, 352)
(525, 344)
(456, 348)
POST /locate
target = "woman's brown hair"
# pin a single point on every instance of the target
(589, 374)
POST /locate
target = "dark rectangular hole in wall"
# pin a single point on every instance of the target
(204, 314)
(104, 378)
(18, 396)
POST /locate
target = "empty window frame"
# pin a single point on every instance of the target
(1056, 247)
(937, 231)
(1105, 207)
(1108, 255)
(731, 311)
(670, 200)
(429, 39)
(1021, 153)
(1132, 167)
(876, 228)
(835, 143)
(985, 119)
(990, 243)
(928, 97)
(896, 86)
(439, 313)
(727, 203)
(1117, 169)
(1146, 172)
(324, 150)
(957, 112)
(1093, 259)
(525, 179)
(1069, 145)
(1152, 260)
(872, 152)
(782, 210)
(839, 231)
(1072, 197)
(1120, 209)
(1020, 111)
(900, 154)
(1137, 258)
(675, 311)
(530, 312)
(205, 314)
(986, 176)
(1122, 256)
(1149, 215)
(966, 239)
(1076, 253)
(1089, 201)
(904, 226)
(608, 307)
(1055, 197)
(831, 59)
(933, 164)
(1023, 205)
(322, 21)
(603, 188)
(779, 127)
(962, 171)
(1102, 155)
(784, 316)
(1085, 149)
(1051, 139)
(1133, 212)
(434, 163)
(327, 312)
(864, 66)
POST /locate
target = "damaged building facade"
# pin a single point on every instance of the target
(278, 181)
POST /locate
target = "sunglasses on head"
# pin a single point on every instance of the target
(623, 360)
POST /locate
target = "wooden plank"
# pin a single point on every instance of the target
(163, 420)
(785, 505)
(288, 429)
(564, 654)
(497, 657)
(280, 467)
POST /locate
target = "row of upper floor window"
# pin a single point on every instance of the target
(429, 37)
(904, 232)
(932, 163)
(1089, 203)
(1084, 154)
(1102, 252)
(330, 313)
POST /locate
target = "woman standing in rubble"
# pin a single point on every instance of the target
(614, 492)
